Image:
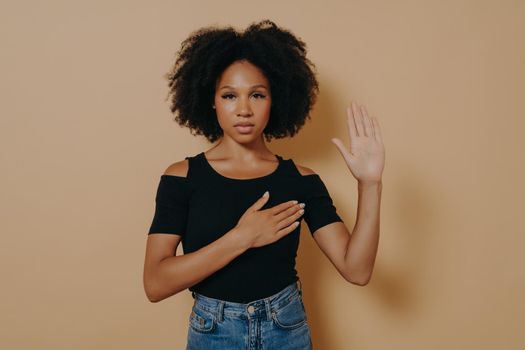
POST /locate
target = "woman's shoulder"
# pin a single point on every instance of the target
(175, 184)
(304, 170)
(298, 169)
(178, 169)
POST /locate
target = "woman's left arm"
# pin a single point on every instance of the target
(354, 255)
(361, 251)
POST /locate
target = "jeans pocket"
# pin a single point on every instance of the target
(202, 320)
(290, 316)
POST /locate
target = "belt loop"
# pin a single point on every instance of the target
(220, 310)
(268, 308)
(193, 295)
(300, 285)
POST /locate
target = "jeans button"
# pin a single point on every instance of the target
(251, 309)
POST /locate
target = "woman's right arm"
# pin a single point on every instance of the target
(166, 274)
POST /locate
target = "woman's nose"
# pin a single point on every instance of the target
(244, 107)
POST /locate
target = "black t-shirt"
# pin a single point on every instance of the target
(205, 205)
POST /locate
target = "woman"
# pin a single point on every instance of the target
(237, 207)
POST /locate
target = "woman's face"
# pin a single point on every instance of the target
(242, 95)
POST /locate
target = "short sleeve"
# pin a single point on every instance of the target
(171, 206)
(319, 210)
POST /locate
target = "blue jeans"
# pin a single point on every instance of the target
(276, 322)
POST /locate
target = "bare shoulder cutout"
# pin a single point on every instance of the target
(179, 168)
(304, 170)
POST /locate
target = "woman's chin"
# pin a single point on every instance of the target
(246, 138)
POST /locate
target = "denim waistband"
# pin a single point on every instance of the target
(261, 308)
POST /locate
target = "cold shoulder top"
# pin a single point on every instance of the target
(205, 205)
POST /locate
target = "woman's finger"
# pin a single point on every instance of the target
(369, 128)
(352, 132)
(358, 119)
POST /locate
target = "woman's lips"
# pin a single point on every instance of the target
(244, 129)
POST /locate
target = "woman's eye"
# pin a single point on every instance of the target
(257, 95)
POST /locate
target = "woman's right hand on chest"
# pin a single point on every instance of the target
(262, 227)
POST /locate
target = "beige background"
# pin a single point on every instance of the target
(86, 133)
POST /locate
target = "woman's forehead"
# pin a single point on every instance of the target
(242, 75)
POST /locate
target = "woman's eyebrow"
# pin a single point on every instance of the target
(253, 86)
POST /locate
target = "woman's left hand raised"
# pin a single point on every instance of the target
(366, 156)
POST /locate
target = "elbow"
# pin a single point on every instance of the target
(360, 283)
(151, 294)
(152, 290)
(156, 292)
(357, 282)
(358, 279)
(153, 298)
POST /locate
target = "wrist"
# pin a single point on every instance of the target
(372, 183)
(238, 239)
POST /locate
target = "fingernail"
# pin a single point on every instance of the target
(266, 194)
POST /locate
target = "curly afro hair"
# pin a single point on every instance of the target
(208, 51)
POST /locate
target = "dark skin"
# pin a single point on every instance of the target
(237, 155)
(243, 95)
